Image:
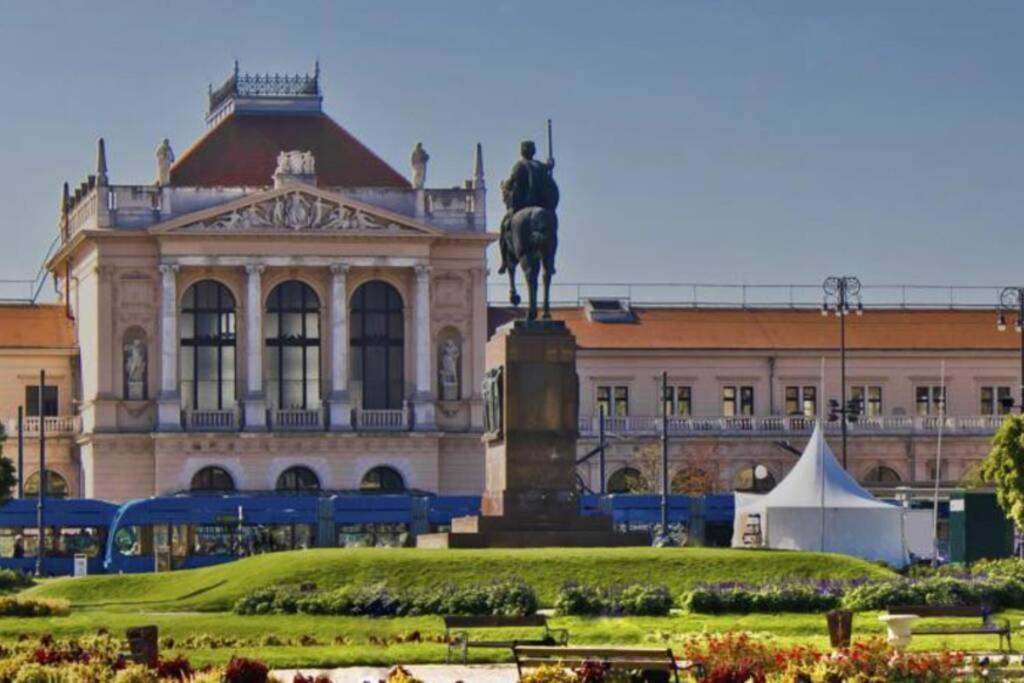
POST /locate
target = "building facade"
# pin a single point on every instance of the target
(281, 309)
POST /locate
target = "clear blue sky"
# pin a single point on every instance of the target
(698, 141)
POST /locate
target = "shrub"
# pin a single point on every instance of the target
(995, 591)
(399, 675)
(243, 670)
(37, 673)
(178, 669)
(631, 600)
(745, 599)
(12, 581)
(549, 673)
(33, 607)
(136, 673)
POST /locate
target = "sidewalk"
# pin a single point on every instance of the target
(429, 673)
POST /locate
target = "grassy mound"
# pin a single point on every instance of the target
(217, 588)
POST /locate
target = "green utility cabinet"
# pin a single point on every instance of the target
(978, 527)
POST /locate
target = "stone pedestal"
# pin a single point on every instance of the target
(531, 407)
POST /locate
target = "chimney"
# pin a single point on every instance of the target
(101, 164)
(478, 168)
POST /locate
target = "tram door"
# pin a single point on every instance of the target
(170, 546)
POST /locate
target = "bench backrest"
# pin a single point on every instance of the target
(942, 610)
(617, 658)
(494, 621)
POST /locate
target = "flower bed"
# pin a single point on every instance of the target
(507, 597)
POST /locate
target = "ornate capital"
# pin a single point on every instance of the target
(339, 269)
(252, 269)
(422, 271)
(168, 269)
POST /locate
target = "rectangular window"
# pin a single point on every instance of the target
(729, 401)
(929, 399)
(737, 401)
(678, 401)
(746, 401)
(802, 400)
(869, 398)
(996, 400)
(49, 401)
(613, 400)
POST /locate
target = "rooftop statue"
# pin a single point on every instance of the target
(529, 230)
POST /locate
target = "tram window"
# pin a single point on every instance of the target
(12, 543)
(291, 537)
(216, 540)
(133, 541)
(78, 541)
(373, 535)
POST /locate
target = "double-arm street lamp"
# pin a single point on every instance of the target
(1011, 300)
(842, 295)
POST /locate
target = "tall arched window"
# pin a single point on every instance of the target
(211, 479)
(383, 480)
(292, 358)
(627, 480)
(378, 345)
(298, 480)
(56, 485)
(208, 347)
(882, 476)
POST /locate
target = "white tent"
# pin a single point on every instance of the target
(819, 506)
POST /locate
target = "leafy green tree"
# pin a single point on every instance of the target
(1004, 467)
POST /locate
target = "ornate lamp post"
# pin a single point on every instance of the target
(842, 294)
(1011, 299)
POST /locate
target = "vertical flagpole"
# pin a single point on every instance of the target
(821, 452)
(938, 464)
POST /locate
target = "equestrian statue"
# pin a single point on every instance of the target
(529, 230)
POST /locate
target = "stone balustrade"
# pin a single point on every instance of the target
(56, 425)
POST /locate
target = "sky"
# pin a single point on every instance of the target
(718, 141)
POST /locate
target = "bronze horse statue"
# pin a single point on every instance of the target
(531, 242)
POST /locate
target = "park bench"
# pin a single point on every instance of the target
(645, 660)
(987, 625)
(457, 628)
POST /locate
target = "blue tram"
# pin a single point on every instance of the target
(74, 526)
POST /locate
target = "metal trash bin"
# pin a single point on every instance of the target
(840, 627)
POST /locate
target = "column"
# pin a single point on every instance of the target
(474, 347)
(255, 403)
(169, 401)
(340, 404)
(423, 402)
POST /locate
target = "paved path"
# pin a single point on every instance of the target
(429, 673)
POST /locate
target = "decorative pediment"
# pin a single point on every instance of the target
(297, 210)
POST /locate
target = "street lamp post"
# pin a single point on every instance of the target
(1011, 300)
(842, 294)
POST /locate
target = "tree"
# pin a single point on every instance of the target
(7, 476)
(1004, 467)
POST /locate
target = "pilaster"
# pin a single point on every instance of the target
(423, 402)
(255, 403)
(169, 400)
(339, 402)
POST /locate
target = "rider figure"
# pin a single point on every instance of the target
(529, 184)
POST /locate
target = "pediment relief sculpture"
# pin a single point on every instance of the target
(299, 211)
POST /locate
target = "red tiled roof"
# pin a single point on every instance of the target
(35, 327)
(783, 329)
(242, 150)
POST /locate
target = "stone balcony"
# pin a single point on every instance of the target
(645, 426)
(54, 426)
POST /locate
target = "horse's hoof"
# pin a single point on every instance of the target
(547, 316)
(515, 299)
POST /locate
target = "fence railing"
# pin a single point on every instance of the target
(645, 425)
(211, 420)
(396, 420)
(297, 420)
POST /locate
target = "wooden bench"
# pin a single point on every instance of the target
(456, 632)
(621, 659)
(987, 625)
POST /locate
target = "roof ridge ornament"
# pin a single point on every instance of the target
(265, 93)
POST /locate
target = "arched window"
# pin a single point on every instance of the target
(135, 363)
(383, 480)
(292, 358)
(378, 345)
(882, 476)
(208, 347)
(754, 479)
(298, 480)
(56, 485)
(627, 480)
(212, 479)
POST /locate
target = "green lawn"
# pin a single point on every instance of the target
(216, 589)
(364, 636)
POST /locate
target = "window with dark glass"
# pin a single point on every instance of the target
(208, 347)
(298, 480)
(870, 398)
(383, 480)
(50, 405)
(292, 359)
(56, 485)
(930, 400)
(746, 401)
(212, 479)
(613, 400)
(378, 345)
(802, 400)
(996, 400)
(627, 480)
(678, 401)
(881, 476)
